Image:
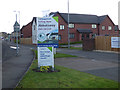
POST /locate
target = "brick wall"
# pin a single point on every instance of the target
(27, 30)
(107, 22)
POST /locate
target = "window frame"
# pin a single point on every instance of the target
(103, 28)
(109, 27)
(59, 37)
(72, 35)
(71, 25)
(62, 27)
(94, 26)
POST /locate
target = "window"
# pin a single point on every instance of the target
(59, 37)
(62, 27)
(72, 35)
(34, 27)
(71, 25)
(103, 27)
(94, 26)
(109, 27)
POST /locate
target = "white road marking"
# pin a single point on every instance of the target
(13, 47)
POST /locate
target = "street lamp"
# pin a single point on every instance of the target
(68, 27)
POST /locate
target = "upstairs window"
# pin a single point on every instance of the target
(109, 27)
(71, 25)
(62, 27)
(103, 27)
(94, 26)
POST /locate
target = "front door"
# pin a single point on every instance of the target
(85, 36)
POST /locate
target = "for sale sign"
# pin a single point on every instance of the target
(47, 32)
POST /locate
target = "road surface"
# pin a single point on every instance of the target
(14, 67)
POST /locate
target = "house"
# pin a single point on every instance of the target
(83, 26)
(3, 35)
(26, 31)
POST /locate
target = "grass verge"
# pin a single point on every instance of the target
(76, 48)
(61, 55)
(58, 55)
(66, 78)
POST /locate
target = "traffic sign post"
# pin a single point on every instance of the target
(16, 30)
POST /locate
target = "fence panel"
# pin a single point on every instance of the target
(104, 43)
(27, 41)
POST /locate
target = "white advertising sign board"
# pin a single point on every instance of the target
(115, 42)
(47, 32)
(45, 56)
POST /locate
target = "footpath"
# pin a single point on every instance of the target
(14, 68)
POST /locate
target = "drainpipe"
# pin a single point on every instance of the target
(98, 30)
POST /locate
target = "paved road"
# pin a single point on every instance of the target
(102, 56)
(97, 63)
(7, 52)
(14, 67)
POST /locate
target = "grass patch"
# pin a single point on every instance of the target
(66, 78)
(80, 42)
(61, 55)
(57, 55)
(76, 48)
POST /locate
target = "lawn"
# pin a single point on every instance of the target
(76, 48)
(66, 78)
(58, 55)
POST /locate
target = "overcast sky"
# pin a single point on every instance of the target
(33, 8)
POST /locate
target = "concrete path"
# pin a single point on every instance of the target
(14, 68)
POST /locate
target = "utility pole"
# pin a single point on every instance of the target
(68, 27)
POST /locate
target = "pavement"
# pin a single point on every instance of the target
(102, 64)
(15, 67)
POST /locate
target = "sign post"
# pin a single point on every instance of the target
(16, 30)
(47, 39)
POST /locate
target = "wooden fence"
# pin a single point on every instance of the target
(104, 43)
(27, 41)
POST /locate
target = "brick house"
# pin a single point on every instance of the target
(84, 26)
(81, 26)
(26, 31)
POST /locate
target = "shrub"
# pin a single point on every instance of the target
(45, 68)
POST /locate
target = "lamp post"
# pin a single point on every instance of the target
(68, 27)
(16, 29)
